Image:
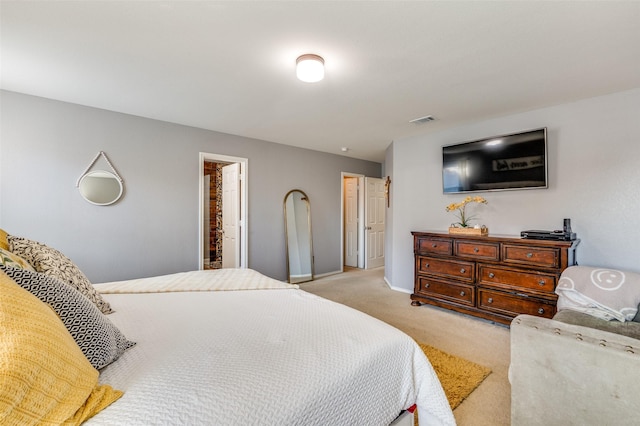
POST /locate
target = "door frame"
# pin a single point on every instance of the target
(244, 204)
(361, 251)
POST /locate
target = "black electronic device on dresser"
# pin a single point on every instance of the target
(492, 277)
(564, 234)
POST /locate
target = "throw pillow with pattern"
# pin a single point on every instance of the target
(52, 263)
(98, 338)
(13, 260)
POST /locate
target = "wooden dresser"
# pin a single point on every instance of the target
(492, 277)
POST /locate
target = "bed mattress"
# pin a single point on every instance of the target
(267, 355)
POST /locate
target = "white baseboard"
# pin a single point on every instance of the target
(401, 290)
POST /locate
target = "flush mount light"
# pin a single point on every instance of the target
(310, 68)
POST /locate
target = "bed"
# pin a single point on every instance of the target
(223, 347)
(233, 346)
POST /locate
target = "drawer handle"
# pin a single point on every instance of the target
(476, 249)
(434, 245)
(426, 285)
(490, 300)
(492, 275)
(426, 265)
(541, 311)
(462, 293)
(529, 255)
(542, 282)
(462, 270)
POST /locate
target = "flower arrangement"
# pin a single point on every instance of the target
(461, 207)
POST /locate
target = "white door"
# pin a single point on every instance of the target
(230, 215)
(206, 230)
(374, 227)
(351, 222)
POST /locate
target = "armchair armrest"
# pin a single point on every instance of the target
(572, 375)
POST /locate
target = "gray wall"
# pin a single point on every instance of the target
(45, 146)
(388, 240)
(594, 173)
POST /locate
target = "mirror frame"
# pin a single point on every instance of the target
(107, 174)
(305, 198)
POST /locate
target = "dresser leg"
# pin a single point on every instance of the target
(415, 303)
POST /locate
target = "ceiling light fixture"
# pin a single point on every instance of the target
(310, 68)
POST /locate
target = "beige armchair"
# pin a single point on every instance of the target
(575, 369)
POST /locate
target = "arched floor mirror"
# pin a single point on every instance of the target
(298, 238)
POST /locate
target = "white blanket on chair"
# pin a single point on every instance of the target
(603, 293)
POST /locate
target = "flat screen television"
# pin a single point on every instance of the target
(507, 162)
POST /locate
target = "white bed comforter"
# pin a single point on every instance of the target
(260, 357)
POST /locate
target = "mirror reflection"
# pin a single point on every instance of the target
(100, 187)
(297, 218)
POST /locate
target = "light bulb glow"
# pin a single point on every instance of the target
(310, 68)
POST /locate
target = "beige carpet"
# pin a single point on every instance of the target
(475, 340)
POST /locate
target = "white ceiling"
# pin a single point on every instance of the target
(229, 66)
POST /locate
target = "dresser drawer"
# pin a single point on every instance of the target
(513, 304)
(445, 268)
(533, 256)
(513, 278)
(433, 245)
(477, 250)
(446, 290)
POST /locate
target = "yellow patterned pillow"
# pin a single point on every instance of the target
(44, 377)
(13, 260)
(4, 244)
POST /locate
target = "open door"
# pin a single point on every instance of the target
(230, 216)
(363, 222)
(351, 222)
(223, 208)
(375, 203)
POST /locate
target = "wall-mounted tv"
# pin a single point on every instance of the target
(498, 163)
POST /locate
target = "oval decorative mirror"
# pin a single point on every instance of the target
(299, 242)
(100, 187)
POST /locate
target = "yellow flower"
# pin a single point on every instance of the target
(461, 208)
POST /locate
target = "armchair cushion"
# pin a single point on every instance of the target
(627, 328)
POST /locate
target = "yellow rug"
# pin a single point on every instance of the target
(458, 376)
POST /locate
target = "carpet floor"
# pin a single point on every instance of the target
(473, 339)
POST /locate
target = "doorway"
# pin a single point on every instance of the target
(222, 210)
(363, 213)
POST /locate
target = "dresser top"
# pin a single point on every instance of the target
(497, 238)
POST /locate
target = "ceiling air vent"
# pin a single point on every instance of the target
(422, 120)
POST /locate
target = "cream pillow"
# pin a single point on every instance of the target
(44, 377)
(51, 262)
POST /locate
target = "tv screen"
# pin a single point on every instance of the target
(516, 161)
